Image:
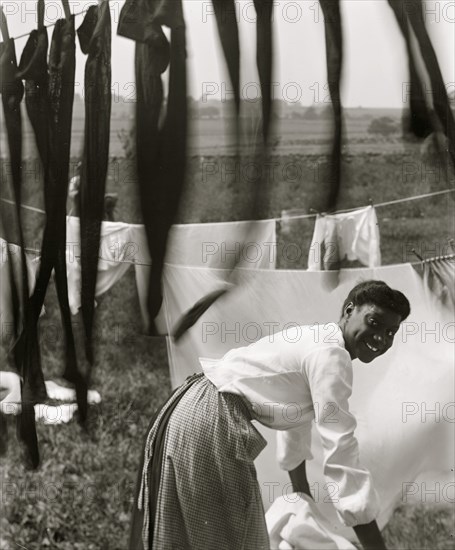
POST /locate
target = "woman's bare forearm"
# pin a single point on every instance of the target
(299, 480)
(370, 536)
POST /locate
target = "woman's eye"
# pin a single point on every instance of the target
(373, 322)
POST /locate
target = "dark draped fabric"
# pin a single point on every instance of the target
(32, 382)
(12, 91)
(334, 55)
(419, 122)
(95, 40)
(229, 35)
(410, 16)
(46, 111)
(414, 11)
(161, 148)
(226, 20)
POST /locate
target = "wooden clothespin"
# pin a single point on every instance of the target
(313, 211)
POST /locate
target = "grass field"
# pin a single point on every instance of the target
(81, 496)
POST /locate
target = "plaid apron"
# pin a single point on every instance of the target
(197, 486)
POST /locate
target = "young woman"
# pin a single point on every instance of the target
(197, 486)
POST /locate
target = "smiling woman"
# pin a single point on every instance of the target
(371, 316)
(198, 485)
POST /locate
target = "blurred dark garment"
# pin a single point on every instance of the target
(422, 121)
(161, 149)
(49, 100)
(95, 40)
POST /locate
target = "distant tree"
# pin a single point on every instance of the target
(311, 113)
(385, 126)
(209, 111)
(326, 113)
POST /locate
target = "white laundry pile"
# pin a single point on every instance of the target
(351, 235)
(215, 245)
(295, 522)
(6, 306)
(398, 439)
(48, 414)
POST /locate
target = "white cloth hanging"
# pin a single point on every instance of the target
(216, 245)
(351, 235)
(117, 253)
(32, 262)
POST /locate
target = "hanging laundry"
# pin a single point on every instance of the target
(32, 388)
(12, 91)
(161, 151)
(439, 280)
(334, 59)
(118, 249)
(48, 106)
(10, 253)
(351, 235)
(419, 122)
(395, 445)
(410, 14)
(95, 40)
(218, 245)
(228, 30)
(34, 70)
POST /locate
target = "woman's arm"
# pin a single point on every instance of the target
(299, 480)
(370, 536)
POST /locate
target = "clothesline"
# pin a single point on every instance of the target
(26, 34)
(298, 216)
(132, 262)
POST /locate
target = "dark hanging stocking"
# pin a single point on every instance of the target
(95, 40)
(419, 122)
(12, 93)
(414, 11)
(161, 151)
(45, 111)
(334, 54)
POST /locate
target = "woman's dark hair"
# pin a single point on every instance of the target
(380, 294)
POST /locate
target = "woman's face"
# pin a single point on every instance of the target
(369, 330)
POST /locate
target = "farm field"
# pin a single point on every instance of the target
(81, 497)
(216, 136)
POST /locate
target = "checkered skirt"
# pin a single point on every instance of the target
(208, 496)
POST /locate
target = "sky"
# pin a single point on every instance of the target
(375, 70)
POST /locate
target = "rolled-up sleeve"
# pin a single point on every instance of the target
(329, 374)
(293, 447)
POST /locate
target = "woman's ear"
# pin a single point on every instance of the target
(348, 309)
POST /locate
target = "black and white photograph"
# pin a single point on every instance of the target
(227, 277)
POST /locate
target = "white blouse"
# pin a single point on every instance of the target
(290, 379)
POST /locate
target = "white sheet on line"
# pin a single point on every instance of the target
(207, 245)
